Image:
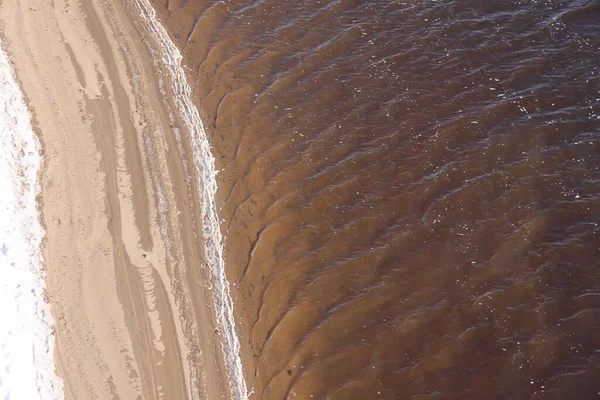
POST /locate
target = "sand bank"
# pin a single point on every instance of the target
(123, 249)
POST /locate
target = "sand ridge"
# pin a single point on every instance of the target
(131, 304)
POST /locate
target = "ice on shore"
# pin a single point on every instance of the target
(26, 338)
(204, 164)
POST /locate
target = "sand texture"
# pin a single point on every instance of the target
(129, 290)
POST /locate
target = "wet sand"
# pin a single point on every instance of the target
(128, 287)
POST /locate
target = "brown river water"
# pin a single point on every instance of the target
(409, 192)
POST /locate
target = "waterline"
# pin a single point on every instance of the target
(207, 188)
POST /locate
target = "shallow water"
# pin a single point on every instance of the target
(408, 192)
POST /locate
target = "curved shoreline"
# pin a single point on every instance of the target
(205, 169)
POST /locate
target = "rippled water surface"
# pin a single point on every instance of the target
(409, 192)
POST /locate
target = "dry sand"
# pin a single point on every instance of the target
(125, 278)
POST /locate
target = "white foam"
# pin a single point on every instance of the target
(204, 164)
(26, 337)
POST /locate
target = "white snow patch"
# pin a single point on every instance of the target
(26, 336)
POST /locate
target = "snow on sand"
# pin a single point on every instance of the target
(26, 340)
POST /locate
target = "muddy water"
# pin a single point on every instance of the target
(409, 192)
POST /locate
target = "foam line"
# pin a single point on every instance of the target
(207, 187)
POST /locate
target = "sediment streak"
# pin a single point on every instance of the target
(207, 188)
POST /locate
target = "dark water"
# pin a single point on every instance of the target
(409, 191)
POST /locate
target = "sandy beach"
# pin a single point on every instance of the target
(125, 275)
